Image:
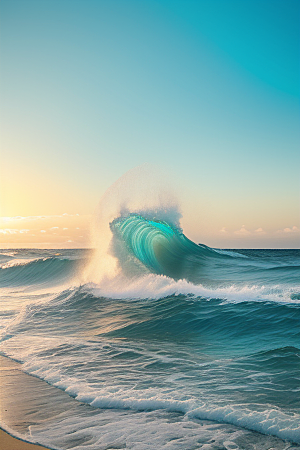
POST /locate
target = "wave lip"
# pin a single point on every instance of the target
(159, 245)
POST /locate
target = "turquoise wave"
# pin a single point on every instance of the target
(142, 242)
(160, 246)
(37, 271)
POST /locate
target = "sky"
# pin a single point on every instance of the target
(207, 90)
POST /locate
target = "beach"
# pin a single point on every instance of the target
(8, 442)
(25, 402)
(10, 377)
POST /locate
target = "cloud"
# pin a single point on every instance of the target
(9, 231)
(58, 230)
(223, 230)
(293, 229)
(260, 231)
(243, 231)
(29, 218)
(13, 231)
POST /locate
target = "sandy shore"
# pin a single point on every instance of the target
(27, 401)
(8, 442)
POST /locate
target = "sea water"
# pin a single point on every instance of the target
(183, 347)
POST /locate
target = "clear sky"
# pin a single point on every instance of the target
(207, 89)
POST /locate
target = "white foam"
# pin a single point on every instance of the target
(160, 286)
(20, 262)
(261, 418)
(26, 437)
(148, 431)
(142, 431)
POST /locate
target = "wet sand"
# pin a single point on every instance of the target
(26, 401)
(8, 442)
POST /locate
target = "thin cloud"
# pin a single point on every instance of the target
(19, 218)
(243, 231)
(293, 229)
(260, 231)
(13, 231)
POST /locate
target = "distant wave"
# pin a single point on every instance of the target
(35, 271)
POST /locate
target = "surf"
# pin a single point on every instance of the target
(149, 323)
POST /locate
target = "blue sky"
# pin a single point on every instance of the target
(208, 90)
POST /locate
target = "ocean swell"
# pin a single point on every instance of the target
(37, 271)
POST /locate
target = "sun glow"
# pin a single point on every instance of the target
(55, 231)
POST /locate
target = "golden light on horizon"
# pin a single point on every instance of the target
(55, 231)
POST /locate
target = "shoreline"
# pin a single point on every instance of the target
(25, 401)
(9, 442)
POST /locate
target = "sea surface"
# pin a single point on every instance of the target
(184, 347)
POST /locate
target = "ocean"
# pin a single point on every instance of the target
(183, 347)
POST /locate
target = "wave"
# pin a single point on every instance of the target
(122, 335)
(145, 246)
(156, 287)
(25, 272)
(261, 418)
(163, 248)
(269, 421)
(173, 317)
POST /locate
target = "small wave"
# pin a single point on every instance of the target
(153, 286)
(263, 419)
(20, 262)
(234, 254)
(10, 254)
(25, 272)
(12, 432)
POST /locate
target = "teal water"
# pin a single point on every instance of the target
(189, 347)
